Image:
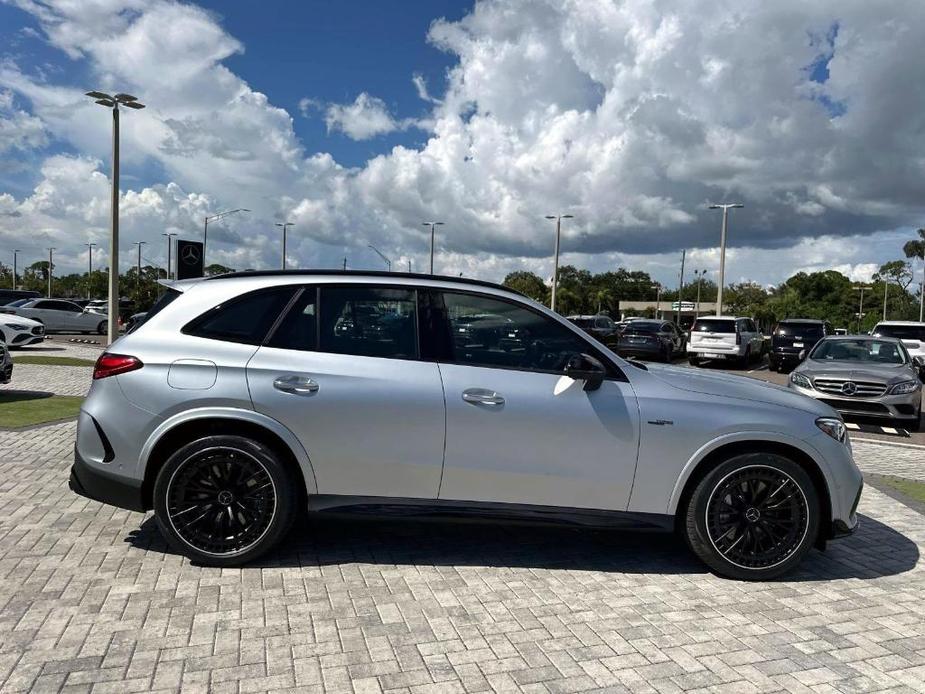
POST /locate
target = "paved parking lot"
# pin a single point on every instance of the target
(92, 599)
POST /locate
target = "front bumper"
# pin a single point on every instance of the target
(106, 488)
(904, 406)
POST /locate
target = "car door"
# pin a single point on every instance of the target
(342, 372)
(517, 430)
(51, 315)
(72, 316)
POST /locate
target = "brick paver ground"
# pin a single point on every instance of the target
(92, 600)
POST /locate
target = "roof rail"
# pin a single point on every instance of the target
(361, 273)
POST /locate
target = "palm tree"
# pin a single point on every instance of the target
(916, 249)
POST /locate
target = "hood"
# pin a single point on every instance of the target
(740, 387)
(11, 317)
(854, 371)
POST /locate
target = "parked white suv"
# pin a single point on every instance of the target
(911, 333)
(725, 337)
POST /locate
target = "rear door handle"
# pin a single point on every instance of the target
(296, 385)
(482, 396)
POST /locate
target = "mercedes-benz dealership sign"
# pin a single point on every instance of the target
(189, 259)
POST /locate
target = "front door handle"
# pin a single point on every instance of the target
(482, 396)
(296, 385)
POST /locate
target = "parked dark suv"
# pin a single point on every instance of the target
(793, 337)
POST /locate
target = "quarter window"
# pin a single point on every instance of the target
(368, 322)
(245, 319)
(490, 332)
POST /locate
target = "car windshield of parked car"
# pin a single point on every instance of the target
(861, 350)
(807, 330)
(641, 326)
(903, 332)
(714, 325)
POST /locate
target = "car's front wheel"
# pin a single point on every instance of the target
(101, 328)
(753, 517)
(224, 500)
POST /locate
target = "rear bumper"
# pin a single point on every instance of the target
(105, 488)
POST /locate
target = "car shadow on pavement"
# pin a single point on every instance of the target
(22, 395)
(876, 550)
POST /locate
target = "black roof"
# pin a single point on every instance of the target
(362, 273)
(801, 320)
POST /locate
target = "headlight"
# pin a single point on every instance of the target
(834, 428)
(17, 326)
(905, 387)
(800, 380)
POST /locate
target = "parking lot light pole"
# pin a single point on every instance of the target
(860, 288)
(555, 265)
(89, 267)
(215, 218)
(169, 251)
(886, 289)
(380, 254)
(138, 269)
(113, 103)
(699, 275)
(16, 253)
(284, 226)
(433, 226)
(725, 207)
(658, 296)
(51, 253)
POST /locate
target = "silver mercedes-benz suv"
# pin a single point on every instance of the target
(245, 398)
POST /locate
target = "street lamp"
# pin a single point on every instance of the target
(113, 103)
(89, 267)
(555, 266)
(51, 252)
(169, 251)
(432, 226)
(725, 207)
(215, 218)
(16, 253)
(886, 289)
(861, 289)
(381, 255)
(658, 296)
(138, 270)
(699, 274)
(284, 226)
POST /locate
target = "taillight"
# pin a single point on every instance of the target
(113, 364)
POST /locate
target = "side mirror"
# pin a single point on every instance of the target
(584, 367)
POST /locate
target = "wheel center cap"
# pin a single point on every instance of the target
(225, 497)
(752, 515)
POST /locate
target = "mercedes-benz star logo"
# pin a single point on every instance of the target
(752, 515)
(849, 388)
(190, 255)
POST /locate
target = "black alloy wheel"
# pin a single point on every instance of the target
(224, 500)
(753, 517)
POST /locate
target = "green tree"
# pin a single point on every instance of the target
(217, 269)
(529, 284)
(916, 249)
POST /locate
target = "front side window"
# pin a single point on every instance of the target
(490, 332)
(368, 322)
(245, 319)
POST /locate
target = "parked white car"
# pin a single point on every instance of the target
(58, 315)
(19, 331)
(6, 364)
(911, 333)
(724, 337)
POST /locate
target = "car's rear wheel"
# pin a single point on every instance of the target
(224, 500)
(693, 361)
(753, 517)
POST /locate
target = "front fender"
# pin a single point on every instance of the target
(234, 413)
(756, 437)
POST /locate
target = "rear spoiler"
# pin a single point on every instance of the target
(180, 285)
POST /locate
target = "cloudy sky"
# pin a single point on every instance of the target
(359, 121)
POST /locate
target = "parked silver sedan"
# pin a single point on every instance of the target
(246, 398)
(59, 315)
(861, 375)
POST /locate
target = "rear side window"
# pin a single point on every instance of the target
(368, 322)
(245, 319)
(299, 329)
(713, 325)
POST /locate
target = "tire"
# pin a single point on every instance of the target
(101, 328)
(693, 361)
(217, 463)
(668, 354)
(746, 358)
(755, 554)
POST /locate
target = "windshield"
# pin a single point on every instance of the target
(20, 302)
(714, 325)
(867, 350)
(813, 330)
(903, 332)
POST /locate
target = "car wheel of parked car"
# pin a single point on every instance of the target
(224, 500)
(101, 328)
(693, 361)
(753, 517)
(669, 353)
(746, 358)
